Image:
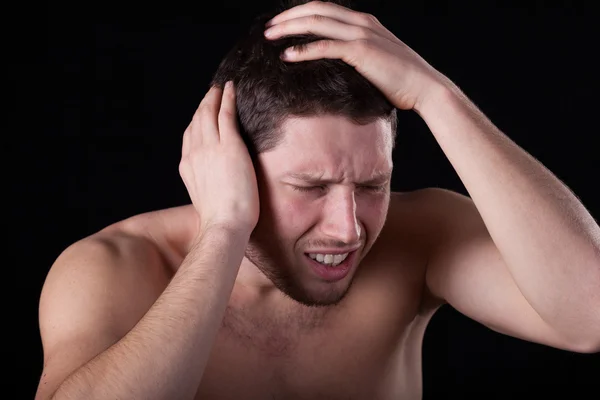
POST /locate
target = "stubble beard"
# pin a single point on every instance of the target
(279, 270)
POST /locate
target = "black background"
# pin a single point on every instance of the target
(118, 86)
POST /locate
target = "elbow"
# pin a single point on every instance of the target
(583, 338)
(586, 347)
(591, 343)
(588, 343)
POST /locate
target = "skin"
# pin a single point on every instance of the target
(223, 305)
(338, 206)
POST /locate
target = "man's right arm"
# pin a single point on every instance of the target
(103, 334)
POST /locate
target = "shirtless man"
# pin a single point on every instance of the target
(211, 301)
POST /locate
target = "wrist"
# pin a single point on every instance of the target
(222, 232)
(440, 90)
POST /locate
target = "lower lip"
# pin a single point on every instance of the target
(332, 274)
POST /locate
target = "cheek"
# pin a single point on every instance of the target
(293, 215)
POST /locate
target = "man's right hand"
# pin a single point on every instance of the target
(216, 167)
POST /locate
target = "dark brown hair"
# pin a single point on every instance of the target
(268, 89)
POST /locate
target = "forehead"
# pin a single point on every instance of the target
(333, 146)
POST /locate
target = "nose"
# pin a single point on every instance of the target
(339, 219)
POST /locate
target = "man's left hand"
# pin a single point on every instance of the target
(361, 41)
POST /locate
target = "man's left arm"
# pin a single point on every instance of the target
(523, 256)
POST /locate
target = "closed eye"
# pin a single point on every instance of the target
(371, 188)
(308, 188)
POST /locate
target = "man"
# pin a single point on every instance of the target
(295, 273)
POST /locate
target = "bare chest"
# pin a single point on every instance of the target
(369, 348)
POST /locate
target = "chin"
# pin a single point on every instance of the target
(314, 293)
(295, 278)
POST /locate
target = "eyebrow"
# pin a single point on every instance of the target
(314, 178)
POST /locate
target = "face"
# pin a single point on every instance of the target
(323, 191)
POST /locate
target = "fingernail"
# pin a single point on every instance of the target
(288, 53)
(268, 32)
(228, 85)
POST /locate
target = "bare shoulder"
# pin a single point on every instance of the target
(94, 293)
(105, 268)
(414, 212)
(415, 222)
(120, 270)
(427, 214)
(424, 207)
(171, 230)
(423, 216)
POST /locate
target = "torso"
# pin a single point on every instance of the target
(368, 346)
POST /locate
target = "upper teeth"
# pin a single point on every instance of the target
(333, 259)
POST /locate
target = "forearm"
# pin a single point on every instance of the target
(548, 240)
(164, 355)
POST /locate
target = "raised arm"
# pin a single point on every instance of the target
(108, 328)
(523, 254)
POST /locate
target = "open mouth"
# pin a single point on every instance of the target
(331, 267)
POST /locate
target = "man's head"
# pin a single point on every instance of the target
(316, 124)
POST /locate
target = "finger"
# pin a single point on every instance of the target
(331, 49)
(321, 26)
(204, 128)
(228, 114)
(333, 11)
